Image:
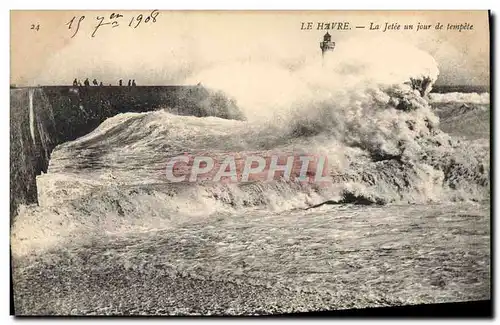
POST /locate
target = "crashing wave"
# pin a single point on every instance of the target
(471, 98)
(373, 122)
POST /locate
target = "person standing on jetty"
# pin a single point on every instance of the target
(120, 83)
(133, 83)
(129, 82)
(86, 82)
(75, 83)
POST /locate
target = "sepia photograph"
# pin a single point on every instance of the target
(244, 163)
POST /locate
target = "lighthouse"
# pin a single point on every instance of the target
(327, 45)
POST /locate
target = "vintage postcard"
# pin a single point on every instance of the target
(248, 162)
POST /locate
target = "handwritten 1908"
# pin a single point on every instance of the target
(112, 20)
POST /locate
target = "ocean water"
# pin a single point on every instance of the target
(105, 207)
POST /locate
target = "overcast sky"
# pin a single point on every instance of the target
(179, 44)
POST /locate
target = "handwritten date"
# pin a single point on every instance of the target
(112, 21)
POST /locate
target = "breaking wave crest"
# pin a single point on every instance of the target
(471, 98)
(373, 122)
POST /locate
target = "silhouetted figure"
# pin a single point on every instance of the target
(94, 82)
(100, 85)
(133, 83)
(120, 82)
(86, 82)
(129, 82)
(75, 82)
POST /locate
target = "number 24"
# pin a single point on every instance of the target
(35, 27)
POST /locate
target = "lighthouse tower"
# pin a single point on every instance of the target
(327, 45)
